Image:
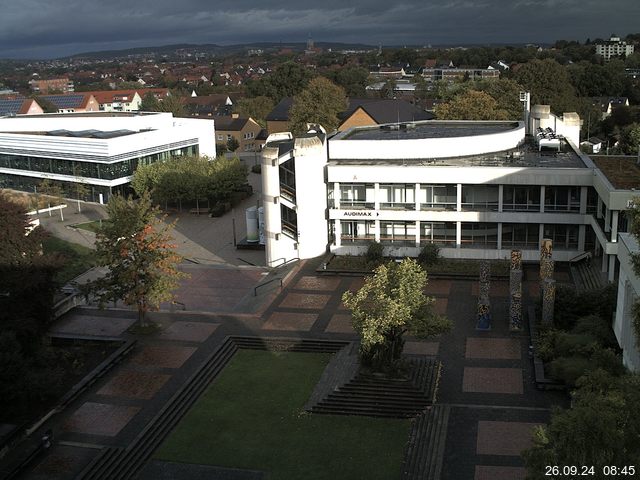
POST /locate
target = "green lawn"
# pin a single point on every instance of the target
(77, 259)
(90, 226)
(251, 417)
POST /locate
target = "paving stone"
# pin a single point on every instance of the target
(356, 284)
(340, 323)
(290, 321)
(438, 287)
(440, 307)
(305, 301)
(493, 348)
(496, 289)
(486, 472)
(189, 331)
(533, 288)
(162, 356)
(131, 384)
(492, 380)
(317, 283)
(100, 419)
(93, 325)
(503, 438)
(62, 462)
(421, 348)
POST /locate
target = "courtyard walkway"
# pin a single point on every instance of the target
(486, 380)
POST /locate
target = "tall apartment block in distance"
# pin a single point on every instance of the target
(53, 85)
(614, 48)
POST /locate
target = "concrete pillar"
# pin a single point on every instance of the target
(336, 194)
(500, 200)
(607, 220)
(612, 268)
(614, 226)
(417, 233)
(582, 235)
(604, 261)
(338, 232)
(416, 196)
(377, 232)
(459, 200)
(376, 200)
(541, 234)
(542, 193)
(583, 200)
(458, 234)
(599, 209)
(500, 236)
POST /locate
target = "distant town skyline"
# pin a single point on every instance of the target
(41, 29)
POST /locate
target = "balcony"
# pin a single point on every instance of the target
(357, 204)
(398, 206)
(288, 193)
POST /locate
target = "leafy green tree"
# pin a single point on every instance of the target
(287, 80)
(506, 93)
(630, 139)
(149, 103)
(602, 428)
(471, 105)
(389, 89)
(391, 303)
(353, 79)
(257, 108)
(233, 144)
(320, 102)
(549, 84)
(142, 263)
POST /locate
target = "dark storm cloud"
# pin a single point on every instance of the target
(42, 28)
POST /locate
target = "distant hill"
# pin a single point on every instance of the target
(213, 48)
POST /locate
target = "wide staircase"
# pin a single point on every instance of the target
(379, 396)
(586, 274)
(425, 449)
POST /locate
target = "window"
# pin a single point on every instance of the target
(443, 233)
(438, 197)
(520, 235)
(479, 235)
(289, 222)
(220, 137)
(398, 233)
(521, 198)
(562, 199)
(288, 180)
(564, 237)
(397, 196)
(356, 195)
(480, 197)
(358, 232)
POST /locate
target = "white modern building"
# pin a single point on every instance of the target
(477, 189)
(101, 150)
(614, 47)
(628, 294)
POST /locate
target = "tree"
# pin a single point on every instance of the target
(391, 303)
(149, 103)
(389, 88)
(135, 246)
(471, 105)
(233, 144)
(257, 108)
(600, 429)
(549, 84)
(353, 80)
(320, 102)
(287, 80)
(630, 139)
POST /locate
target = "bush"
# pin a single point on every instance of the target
(569, 369)
(374, 253)
(571, 305)
(429, 255)
(256, 168)
(598, 328)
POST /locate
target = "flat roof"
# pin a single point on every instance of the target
(426, 129)
(85, 114)
(526, 155)
(622, 171)
(101, 134)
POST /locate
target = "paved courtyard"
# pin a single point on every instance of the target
(487, 376)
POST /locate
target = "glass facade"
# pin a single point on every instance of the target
(442, 233)
(479, 235)
(520, 235)
(87, 169)
(397, 196)
(478, 198)
(356, 195)
(565, 237)
(358, 232)
(562, 199)
(516, 198)
(438, 197)
(398, 233)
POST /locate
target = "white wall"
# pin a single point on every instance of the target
(628, 292)
(344, 148)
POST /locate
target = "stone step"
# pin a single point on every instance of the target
(425, 451)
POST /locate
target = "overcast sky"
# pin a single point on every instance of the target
(53, 28)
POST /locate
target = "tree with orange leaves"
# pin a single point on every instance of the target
(135, 245)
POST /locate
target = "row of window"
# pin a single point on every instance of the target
(104, 171)
(474, 197)
(473, 234)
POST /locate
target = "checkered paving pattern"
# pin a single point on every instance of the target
(492, 380)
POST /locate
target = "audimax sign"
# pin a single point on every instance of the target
(360, 214)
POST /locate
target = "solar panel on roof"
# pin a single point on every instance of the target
(10, 106)
(65, 101)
